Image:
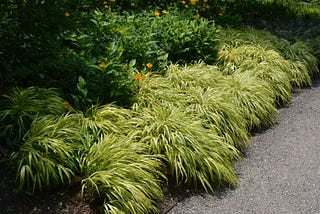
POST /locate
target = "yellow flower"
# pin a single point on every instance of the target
(113, 0)
(66, 104)
(164, 11)
(183, 2)
(156, 13)
(149, 65)
(220, 14)
(102, 64)
(233, 58)
(193, 2)
(197, 16)
(67, 14)
(137, 76)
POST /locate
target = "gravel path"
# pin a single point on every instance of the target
(280, 173)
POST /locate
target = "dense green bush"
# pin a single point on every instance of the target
(93, 54)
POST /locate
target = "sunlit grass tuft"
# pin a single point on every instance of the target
(195, 155)
(99, 120)
(278, 80)
(46, 158)
(198, 74)
(117, 171)
(252, 97)
(217, 112)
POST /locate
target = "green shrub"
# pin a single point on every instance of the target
(95, 53)
(266, 9)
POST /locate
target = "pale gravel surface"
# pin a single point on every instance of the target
(280, 173)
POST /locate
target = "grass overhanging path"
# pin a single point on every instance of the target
(190, 125)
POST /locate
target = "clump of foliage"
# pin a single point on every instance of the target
(46, 158)
(252, 96)
(117, 171)
(66, 148)
(194, 155)
(83, 51)
(21, 106)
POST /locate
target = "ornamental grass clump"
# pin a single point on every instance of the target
(99, 120)
(21, 106)
(200, 101)
(46, 157)
(198, 74)
(301, 53)
(155, 89)
(194, 155)
(268, 65)
(234, 38)
(217, 112)
(118, 172)
(278, 80)
(252, 97)
(297, 72)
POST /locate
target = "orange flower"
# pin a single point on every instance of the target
(193, 2)
(221, 53)
(149, 65)
(66, 104)
(205, 1)
(156, 13)
(102, 64)
(164, 11)
(137, 76)
(67, 14)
